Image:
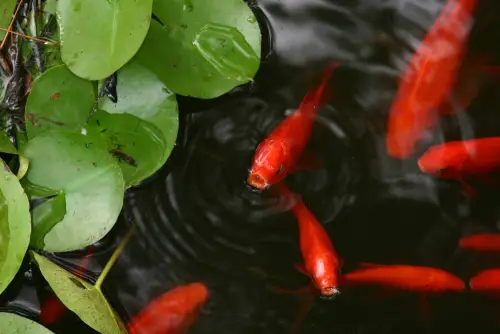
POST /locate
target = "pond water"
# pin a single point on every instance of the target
(197, 220)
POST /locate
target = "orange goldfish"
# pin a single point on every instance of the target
(171, 313)
(429, 78)
(461, 159)
(279, 152)
(483, 242)
(487, 281)
(321, 261)
(404, 277)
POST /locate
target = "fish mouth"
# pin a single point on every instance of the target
(257, 181)
(421, 167)
(329, 293)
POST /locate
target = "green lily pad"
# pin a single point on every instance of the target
(34, 191)
(143, 123)
(80, 297)
(45, 217)
(6, 145)
(11, 323)
(59, 100)
(98, 37)
(50, 6)
(203, 50)
(91, 180)
(15, 225)
(7, 8)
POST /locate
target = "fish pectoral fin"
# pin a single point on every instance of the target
(305, 305)
(470, 190)
(424, 309)
(300, 267)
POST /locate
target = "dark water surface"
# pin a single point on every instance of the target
(198, 221)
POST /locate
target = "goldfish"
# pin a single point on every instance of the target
(483, 242)
(424, 280)
(462, 158)
(52, 309)
(276, 155)
(429, 78)
(321, 261)
(487, 281)
(171, 313)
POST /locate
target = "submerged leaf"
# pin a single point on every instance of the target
(91, 180)
(6, 11)
(59, 100)
(149, 135)
(13, 323)
(204, 50)
(80, 297)
(98, 37)
(15, 225)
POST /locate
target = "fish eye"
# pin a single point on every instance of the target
(280, 170)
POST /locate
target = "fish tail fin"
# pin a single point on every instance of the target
(424, 309)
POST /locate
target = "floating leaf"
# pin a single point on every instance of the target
(59, 100)
(98, 37)
(91, 180)
(46, 216)
(11, 323)
(80, 297)
(203, 50)
(34, 191)
(6, 145)
(50, 6)
(6, 11)
(150, 134)
(15, 225)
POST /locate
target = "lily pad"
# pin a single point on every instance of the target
(7, 8)
(15, 225)
(6, 145)
(91, 180)
(98, 37)
(80, 297)
(46, 216)
(59, 100)
(143, 123)
(13, 323)
(203, 50)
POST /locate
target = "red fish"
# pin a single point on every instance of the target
(423, 280)
(279, 152)
(53, 309)
(321, 261)
(472, 76)
(487, 281)
(171, 313)
(461, 159)
(429, 78)
(483, 242)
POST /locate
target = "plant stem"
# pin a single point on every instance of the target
(113, 259)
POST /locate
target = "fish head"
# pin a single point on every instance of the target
(269, 166)
(444, 161)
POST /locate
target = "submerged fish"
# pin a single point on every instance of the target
(482, 242)
(429, 78)
(321, 261)
(418, 279)
(279, 152)
(461, 159)
(171, 313)
(487, 281)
